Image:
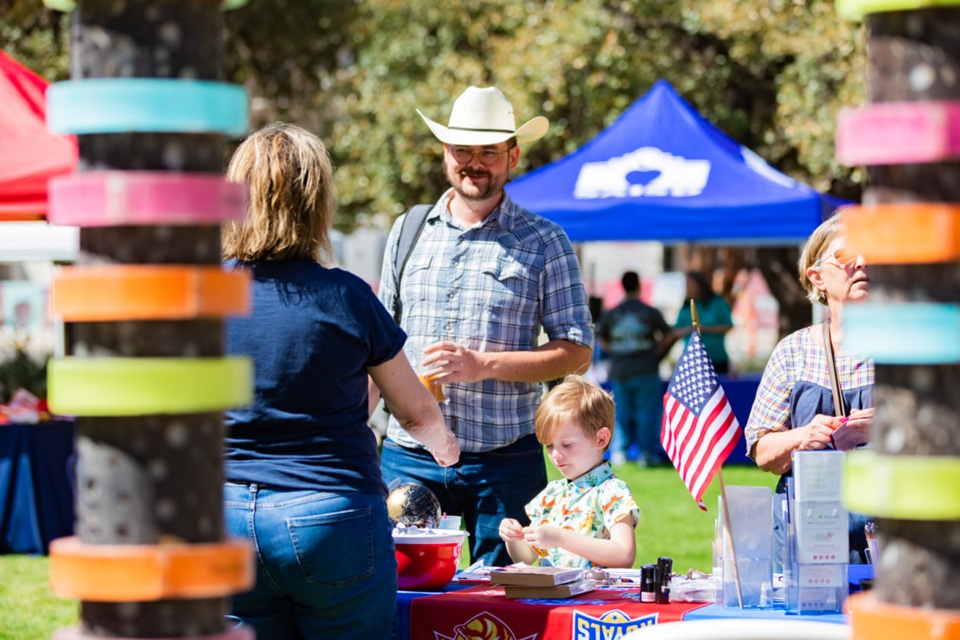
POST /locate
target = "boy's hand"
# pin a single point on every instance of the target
(510, 530)
(546, 537)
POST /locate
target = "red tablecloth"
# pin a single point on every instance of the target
(483, 613)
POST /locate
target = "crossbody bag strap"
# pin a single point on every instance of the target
(839, 405)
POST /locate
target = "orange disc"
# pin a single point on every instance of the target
(871, 619)
(123, 573)
(147, 292)
(916, 232)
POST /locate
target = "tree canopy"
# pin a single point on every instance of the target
(770, 73)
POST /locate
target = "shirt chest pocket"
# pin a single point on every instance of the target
(510, 286)
(418, 275)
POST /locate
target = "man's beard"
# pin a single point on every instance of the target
(494, 184)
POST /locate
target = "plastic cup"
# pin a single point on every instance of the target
(435, 388)
(450, 522)
(416, 355)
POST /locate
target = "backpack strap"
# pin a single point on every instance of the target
(410, 230)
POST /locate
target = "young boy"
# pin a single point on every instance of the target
(588, 518)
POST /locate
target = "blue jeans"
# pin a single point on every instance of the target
(325, 563)
(484, 488)
(639, 403)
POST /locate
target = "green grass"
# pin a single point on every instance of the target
(671, 524)
(28, 610)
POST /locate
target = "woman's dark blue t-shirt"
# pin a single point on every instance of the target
(311, 333)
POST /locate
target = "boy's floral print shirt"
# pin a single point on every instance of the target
(589, 505)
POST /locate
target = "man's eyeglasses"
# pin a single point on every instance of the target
(464, 155)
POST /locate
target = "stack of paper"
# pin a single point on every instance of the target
(520, 581)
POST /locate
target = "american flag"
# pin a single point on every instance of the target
(699, 428)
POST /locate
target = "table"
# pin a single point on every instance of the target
(463, 611)
(483, 612)
(715, 611)
(36, 490)
(404, 598)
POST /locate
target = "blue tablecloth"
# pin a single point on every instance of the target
(856, 573)
(404, 598)
(741, 391)
(714, 611)
(36, 494)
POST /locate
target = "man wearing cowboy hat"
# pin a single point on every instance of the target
(483, 279)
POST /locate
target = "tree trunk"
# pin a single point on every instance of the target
(778, 265)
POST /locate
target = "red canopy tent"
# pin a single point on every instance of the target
(29, 154)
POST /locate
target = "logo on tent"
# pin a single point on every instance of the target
(648, 171)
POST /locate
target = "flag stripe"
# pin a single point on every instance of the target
(699, 429)
(685, 434)
(706, 428)
(719, 446)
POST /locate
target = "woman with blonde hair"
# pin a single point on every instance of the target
(302, 472)
(794, 409)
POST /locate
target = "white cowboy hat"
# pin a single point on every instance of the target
(484, 116)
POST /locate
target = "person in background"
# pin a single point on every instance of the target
(636, 337)
(794, 407)
(588, 518)
(484, 279)
(302, 472)
(715, 319)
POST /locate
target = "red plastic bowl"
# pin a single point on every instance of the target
(427, 564)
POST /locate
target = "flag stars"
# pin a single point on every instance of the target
(694, 381)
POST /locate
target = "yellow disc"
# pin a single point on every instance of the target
(856, 9)
(902, 487)
(70, 5)
(145, 386)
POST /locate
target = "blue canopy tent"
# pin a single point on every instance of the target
(662, 172)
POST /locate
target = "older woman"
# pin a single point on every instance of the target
(794, 407)
(302, 471)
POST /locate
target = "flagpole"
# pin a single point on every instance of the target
(695, 319)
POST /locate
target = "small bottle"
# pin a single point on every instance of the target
(665, 571)
(648, 588)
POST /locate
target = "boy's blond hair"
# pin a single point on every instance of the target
(576, 399)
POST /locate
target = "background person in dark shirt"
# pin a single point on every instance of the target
(636, 337)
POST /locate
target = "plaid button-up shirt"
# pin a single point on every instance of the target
(489, 288)
(796, 386)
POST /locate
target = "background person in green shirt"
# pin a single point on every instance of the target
(715, 319)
